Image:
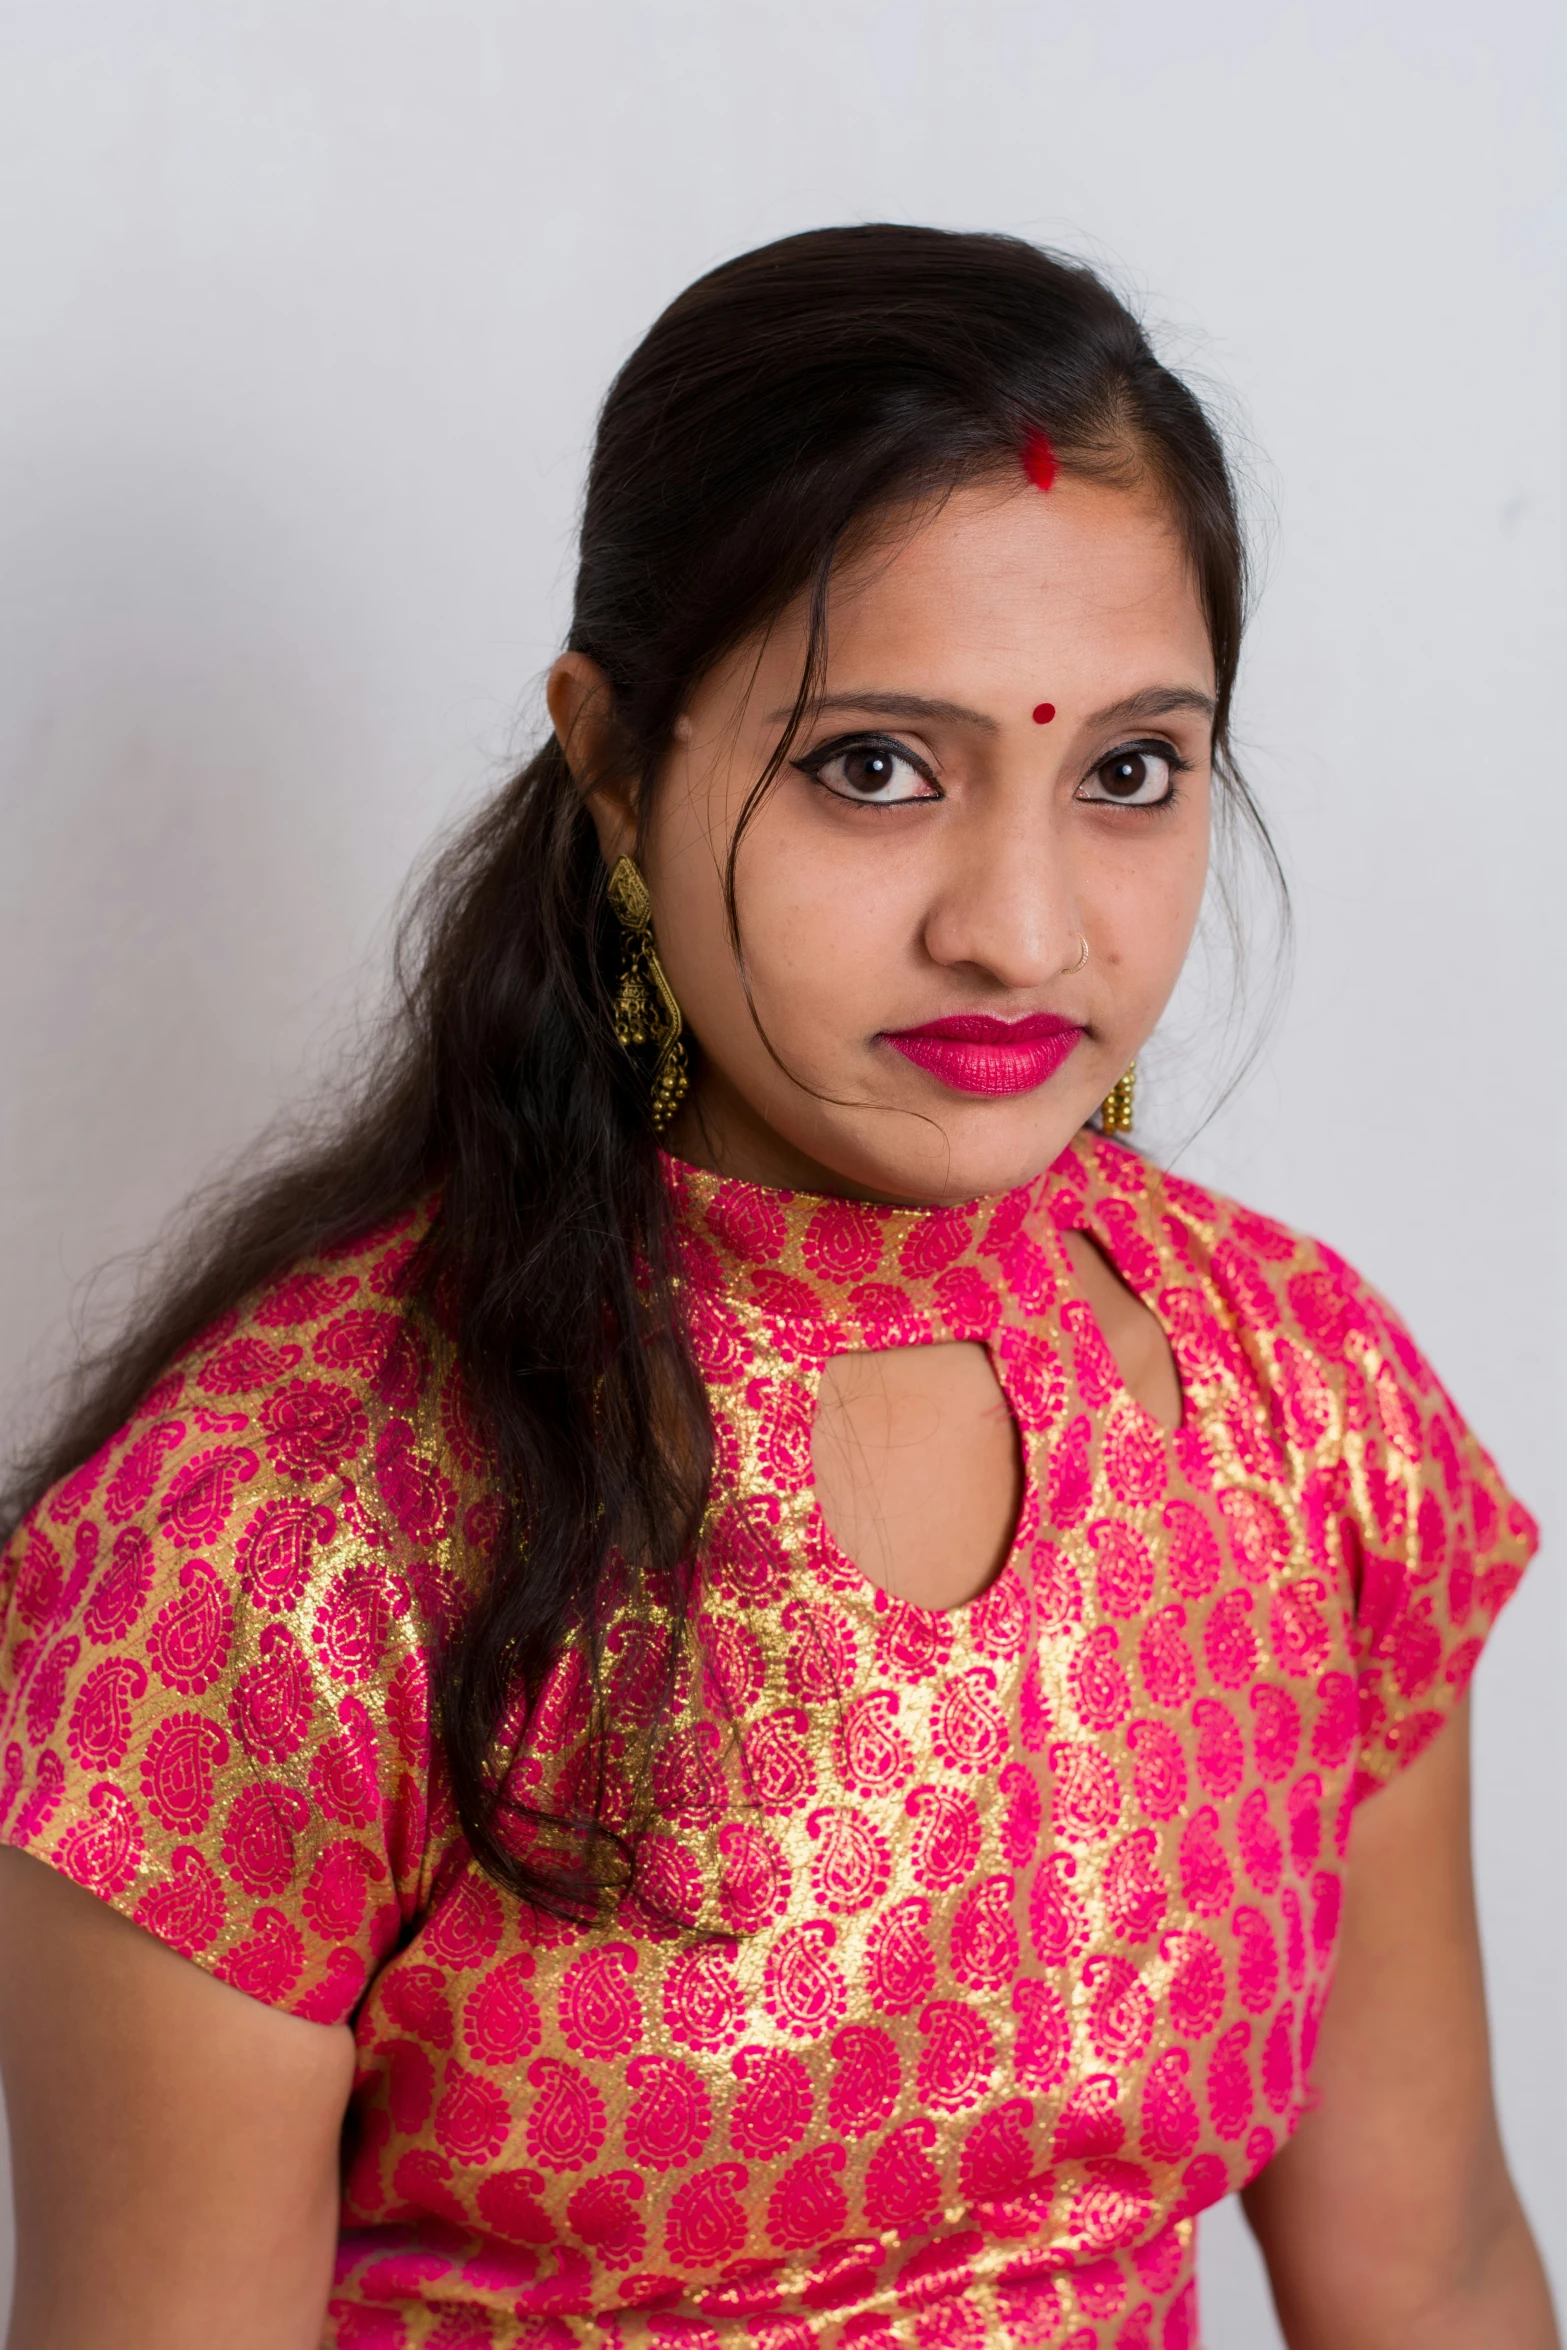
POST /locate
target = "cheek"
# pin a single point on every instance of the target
(1149, 912)
(822, 934)
(693, 936)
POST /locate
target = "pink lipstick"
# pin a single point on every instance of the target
(974, 1053)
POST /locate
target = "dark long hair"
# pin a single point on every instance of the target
(778, 403)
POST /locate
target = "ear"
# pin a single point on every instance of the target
(582, 710)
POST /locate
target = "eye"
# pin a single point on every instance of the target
(871, 770)
(1139, 775)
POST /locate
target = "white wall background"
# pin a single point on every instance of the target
(307, 305)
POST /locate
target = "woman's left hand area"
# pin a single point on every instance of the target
(1389, 2221)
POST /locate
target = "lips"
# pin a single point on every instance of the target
(974, 1052)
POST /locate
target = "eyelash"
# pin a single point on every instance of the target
(1152, 746)
(841, 745)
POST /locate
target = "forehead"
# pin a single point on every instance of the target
(1002, 581)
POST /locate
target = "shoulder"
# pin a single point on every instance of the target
(216, 1637)
(332, 1389)
(1184, 1244)
(1360, 1422)
(311, 1371)
(1276, 1323)
(1303, 1387)
(310, 1458)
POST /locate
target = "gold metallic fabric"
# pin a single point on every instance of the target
(972, 1954)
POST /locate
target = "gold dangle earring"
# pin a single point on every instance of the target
(1115, 1111)
(647, 1018)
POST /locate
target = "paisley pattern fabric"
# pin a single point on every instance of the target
(975, 1953)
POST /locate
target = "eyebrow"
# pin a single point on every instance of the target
(1154, 701)
(893, 706)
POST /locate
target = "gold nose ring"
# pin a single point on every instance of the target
(1081, 960)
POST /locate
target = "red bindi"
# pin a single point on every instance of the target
(1043, 713)
(1039, 461)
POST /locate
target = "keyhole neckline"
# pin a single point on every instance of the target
(832, 1276)
(1024, 1528)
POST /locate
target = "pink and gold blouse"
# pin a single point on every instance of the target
(975, 1952)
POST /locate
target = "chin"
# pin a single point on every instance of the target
(941, 1161)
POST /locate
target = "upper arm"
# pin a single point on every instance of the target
(1391, 2209)
(175, 2142)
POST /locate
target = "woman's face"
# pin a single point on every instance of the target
(1010, 759)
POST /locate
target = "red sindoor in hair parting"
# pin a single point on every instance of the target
(1039, 461)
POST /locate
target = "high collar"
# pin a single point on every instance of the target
(843, 1273)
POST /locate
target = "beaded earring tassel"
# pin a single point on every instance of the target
(647, 1018)
(1115, 1111)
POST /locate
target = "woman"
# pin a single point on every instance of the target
(749, 1657)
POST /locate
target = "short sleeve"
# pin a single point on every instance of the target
(1434, 1542)
(214, 1655)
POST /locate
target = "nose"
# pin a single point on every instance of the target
(1005, 905)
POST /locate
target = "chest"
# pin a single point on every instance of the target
(1027, 1905)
